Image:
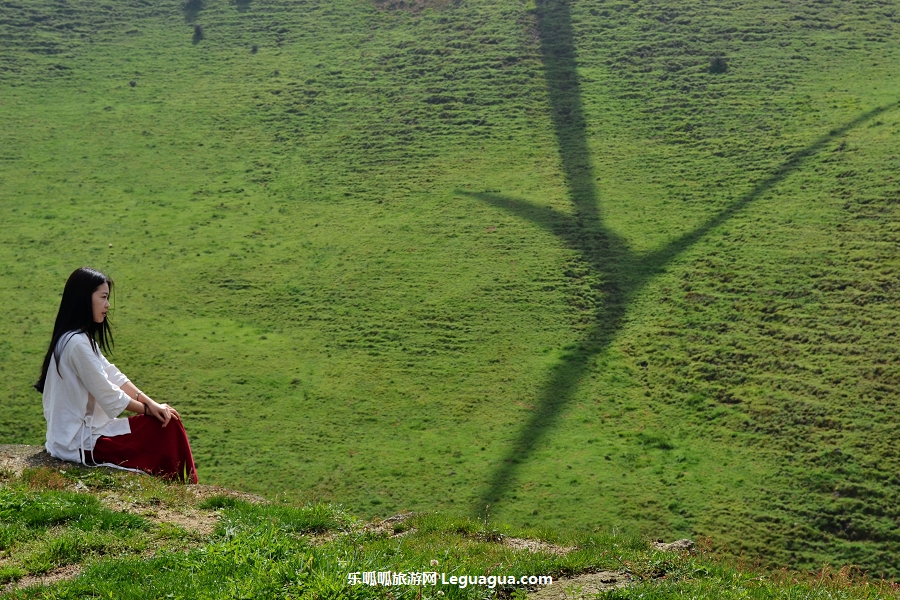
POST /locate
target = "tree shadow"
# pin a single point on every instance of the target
(243, 5)
(192, 10)
(623, 273)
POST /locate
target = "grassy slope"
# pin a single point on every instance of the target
(279, 550)
(352, 258)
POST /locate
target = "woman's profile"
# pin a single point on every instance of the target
(83, 394)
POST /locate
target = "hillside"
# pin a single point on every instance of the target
(596, 265)
(71, 532)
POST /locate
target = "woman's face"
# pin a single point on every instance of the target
(100, 302)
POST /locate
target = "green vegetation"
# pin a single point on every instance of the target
(286, 551)
(551, 257)
(45, 525)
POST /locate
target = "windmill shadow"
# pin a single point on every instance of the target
(623, 272)
(192, 10)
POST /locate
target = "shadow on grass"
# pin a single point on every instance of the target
(192, 10)
(623, 273)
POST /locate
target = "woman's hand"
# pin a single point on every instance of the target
(163, 412)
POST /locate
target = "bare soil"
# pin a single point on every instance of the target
(48, 578)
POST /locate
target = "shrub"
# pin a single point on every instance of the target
(718, 64)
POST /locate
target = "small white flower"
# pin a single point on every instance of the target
(434, 562)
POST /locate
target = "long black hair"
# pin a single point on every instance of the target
(76, 313)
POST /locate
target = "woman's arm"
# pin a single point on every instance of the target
(116, 394)
(163, 412)
(88, 366)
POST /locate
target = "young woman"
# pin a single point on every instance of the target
(84, 394)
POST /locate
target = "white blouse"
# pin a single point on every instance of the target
(82, 399)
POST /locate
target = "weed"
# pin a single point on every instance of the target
(44, 478)
(307, 519)
(10, 573)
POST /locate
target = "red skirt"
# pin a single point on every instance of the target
(152, 448)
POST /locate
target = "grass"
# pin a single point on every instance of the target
(532, 255)
(45, 530)
(288, 551)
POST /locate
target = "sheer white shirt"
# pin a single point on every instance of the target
(82, 398)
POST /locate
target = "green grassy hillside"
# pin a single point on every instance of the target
(544, 256)
(128, 536)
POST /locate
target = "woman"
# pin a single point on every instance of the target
(84, 393)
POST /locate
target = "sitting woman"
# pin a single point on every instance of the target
(84, 393)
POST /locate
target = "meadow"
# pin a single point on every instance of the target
(607, 265)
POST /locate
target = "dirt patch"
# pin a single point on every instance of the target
(202, 522)
(392, 526)
(48, 578)
(536, 546)
(320, 539)
(587, 585)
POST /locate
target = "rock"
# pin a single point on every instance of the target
(18, 457)
(536, 546)
(677, 546)
(583, 586)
